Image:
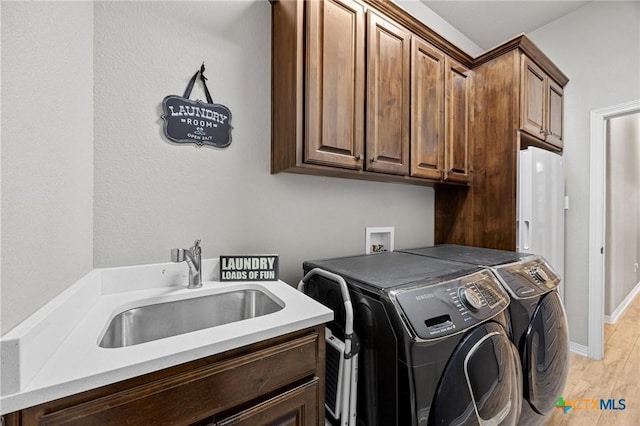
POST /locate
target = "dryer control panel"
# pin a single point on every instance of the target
(529, 278)
(432, 311)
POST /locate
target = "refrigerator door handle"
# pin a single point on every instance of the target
(526, 235)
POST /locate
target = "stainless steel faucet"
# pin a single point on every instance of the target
(193, 257)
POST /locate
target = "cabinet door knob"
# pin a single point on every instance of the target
(360, 157)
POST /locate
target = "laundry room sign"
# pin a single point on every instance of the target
(188, 121)
(249, 268)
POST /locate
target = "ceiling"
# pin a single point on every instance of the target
(490, 23)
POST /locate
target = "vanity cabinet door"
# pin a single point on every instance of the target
(297, 407)
(279, 379)
(388, 84)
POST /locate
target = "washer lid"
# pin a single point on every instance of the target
(392, 269)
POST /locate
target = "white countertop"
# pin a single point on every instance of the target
(55, 353)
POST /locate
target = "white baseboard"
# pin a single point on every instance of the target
(578, 349)
(615, 316)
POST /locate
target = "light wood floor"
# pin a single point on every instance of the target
(617, 376)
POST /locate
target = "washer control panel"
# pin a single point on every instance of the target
(470, 299)
(437, 310)
(530, 278)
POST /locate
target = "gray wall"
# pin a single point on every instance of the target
(90, 181)
(623, 210)
(152, 195)
(47, 152)
(598, 47)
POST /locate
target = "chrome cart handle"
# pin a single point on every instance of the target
(348, 308)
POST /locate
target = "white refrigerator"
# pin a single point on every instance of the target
(541, 207)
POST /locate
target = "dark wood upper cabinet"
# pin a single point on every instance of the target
(361, 89)
(532, 98)
(458, 104)
(334, 133)
(440, 102)
(388, 84)
(345, 99)
(554, 114)
(541, 104)
(427, 110)
(517, 102)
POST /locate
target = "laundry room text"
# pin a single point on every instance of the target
(249, 268)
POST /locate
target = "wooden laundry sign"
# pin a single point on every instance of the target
(249, 268)
(188, 121)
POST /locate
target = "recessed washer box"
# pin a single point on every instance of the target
(379, 239)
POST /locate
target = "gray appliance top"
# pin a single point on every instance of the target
(524, 275)
(474, 255)
(392, 269)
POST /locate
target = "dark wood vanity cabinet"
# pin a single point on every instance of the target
(275, 382)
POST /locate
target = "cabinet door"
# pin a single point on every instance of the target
(532, 99)
(335, 83)
(192, 395)
(457, 102)
(427, 110)
(297, 407)
(554, 113)
(388, 83)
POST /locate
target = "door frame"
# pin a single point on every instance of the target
(597, 217)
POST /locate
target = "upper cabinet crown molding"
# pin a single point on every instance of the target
(417, 27)
(523, 43)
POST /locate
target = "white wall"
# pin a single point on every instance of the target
(88, 180)
(598, 47)
(47, 152)
(423, 13)
(152, 195)
(622, 250)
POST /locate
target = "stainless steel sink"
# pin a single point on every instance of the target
(152, 322)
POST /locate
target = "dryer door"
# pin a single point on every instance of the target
(481, 382)
(545, 360)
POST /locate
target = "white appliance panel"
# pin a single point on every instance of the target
(541, 207)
